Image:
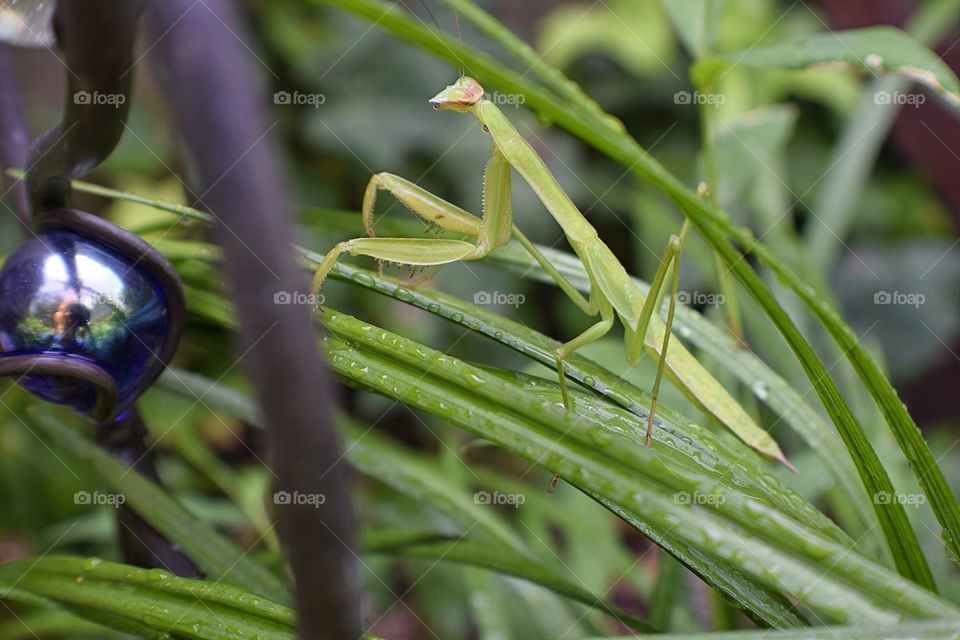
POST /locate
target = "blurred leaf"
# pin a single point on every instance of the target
(695, 21)
(53, 623)
(486, 603)
(850, 167)
(216, 556)
(149, 603)
(667, 592)
(907, 631)
(874, 50)
(880, 292)
(487, 541)
(632, 33)
(745, 147)
(861, 140)
(486, 555)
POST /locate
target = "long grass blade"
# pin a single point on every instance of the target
(216, 556)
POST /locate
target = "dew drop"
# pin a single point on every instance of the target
(472, 378)
(760, 389)
(364, 279)
(602, 437)
(91, 564)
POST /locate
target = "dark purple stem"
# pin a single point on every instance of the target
(140, 543)
(96, 37)
(14, 139)
(205, 70)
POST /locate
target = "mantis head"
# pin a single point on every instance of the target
(459, 96)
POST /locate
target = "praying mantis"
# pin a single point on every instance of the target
(612, 295)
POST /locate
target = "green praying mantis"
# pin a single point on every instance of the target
(612, 292)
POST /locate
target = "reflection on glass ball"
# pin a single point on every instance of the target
(64, 293)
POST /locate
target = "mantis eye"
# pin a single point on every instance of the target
(485, 128)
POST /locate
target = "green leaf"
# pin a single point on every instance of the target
(909, 631)
(611, 463)
(732, 583)
(695, 21)
(745, 147)
(713, 565)
(483, 554)
(149, 603)
(667, 592)
(874, 50)
(491, 544)
(216, 556)
(864, 133)
(792, 409)
(53, 623)
(634, 34)
(488, 607)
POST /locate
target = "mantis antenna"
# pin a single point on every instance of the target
(436, 23)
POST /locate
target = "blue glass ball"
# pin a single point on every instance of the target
(65, 293)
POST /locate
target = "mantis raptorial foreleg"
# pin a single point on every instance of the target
(491, 231)
(427, 206)
(448, 217)
(613, 294)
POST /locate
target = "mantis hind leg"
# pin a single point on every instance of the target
(655, 392)
(635, 338)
